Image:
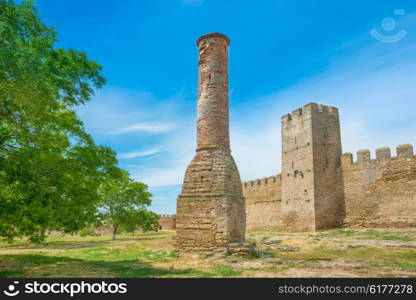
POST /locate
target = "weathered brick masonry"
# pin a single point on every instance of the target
(320, 188)
(380, 192)
(210, 209)
(311, 180)
(167, 222)
(263, 203)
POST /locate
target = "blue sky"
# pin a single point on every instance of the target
(283, 54)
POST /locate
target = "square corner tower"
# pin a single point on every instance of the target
(312, 189)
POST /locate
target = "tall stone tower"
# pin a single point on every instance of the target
(211, 208)
(312, 188)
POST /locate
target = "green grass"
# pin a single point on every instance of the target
(338, 232)
(91, 257)
(152, 255)
(370, 254)
(317, 259)
(58, 266)
(365, 235)
(226, 271)
(387, 236)
(279, 269)
(402, 266)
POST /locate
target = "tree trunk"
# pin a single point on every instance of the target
(114, 232)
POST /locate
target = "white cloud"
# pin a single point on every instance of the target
(161, 176)
(135, 154)
(146, 127)
(178, 149)
(115, 111)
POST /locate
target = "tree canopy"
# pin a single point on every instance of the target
(50, 168)
(124, 203)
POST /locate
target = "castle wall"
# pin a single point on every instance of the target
(380, 192)
(263, 203)
(319, 188)
(167, 222)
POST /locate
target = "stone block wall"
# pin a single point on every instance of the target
(263, 203)
(380, 192)
(167, 222)
(311, 157)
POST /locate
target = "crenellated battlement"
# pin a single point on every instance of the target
(368, 188)
(167, 216)
(382, 154)
(308, 110)
(258, 183)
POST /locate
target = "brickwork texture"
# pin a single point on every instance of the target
(319, 187)
(210, 212)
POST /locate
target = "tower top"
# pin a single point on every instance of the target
(213, 34)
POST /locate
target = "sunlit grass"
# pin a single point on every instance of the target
(152, 255)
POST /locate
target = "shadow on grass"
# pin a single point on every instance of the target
(52, 266)
(75, 244)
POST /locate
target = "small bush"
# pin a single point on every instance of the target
(37, 238)
(87, 232)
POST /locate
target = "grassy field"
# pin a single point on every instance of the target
(330, 253)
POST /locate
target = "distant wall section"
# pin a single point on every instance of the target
(167, 222)
(263, 203)
(380, 192)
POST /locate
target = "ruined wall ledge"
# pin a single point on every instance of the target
(268, 201)
(311, 108)
(201, 196)
(167, 216)
(383, 154)
(262, 181)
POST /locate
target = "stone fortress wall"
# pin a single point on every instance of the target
(167, 222)
(263, 203)
(378, 192)
(321, 188)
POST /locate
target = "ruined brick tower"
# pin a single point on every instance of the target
(211, 208)
(312, 188)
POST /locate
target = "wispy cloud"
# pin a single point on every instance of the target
(136, 154)
(147, 127)
(115, 111)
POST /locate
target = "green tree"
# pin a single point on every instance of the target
(124, 203)
(141, 219)
(50, 168)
